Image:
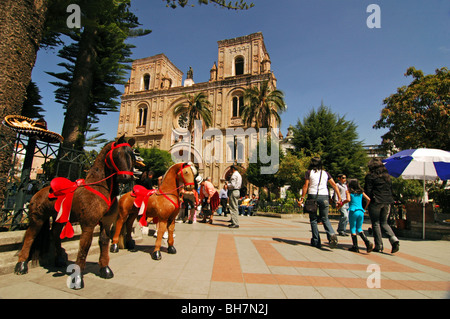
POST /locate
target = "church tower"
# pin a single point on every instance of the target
(244, 55)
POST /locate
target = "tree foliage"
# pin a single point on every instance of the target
(196, 107)
(31, 107)
(292, 171)
(97, 60)
(159, 161)
(253, 172)
(334, 139)
(237, 5)
(262, 106)
(418, 115)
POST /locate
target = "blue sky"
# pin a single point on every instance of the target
(321, 50)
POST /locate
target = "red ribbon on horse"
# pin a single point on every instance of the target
(63, 189)
(142, 194)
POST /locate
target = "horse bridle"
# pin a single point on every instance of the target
(177, 205)
(182, 175)
(113, 165)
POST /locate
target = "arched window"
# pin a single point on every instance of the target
(142, 116)
(146, 82)
(239, 65)
(238, 103)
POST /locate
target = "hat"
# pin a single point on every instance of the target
(199, 179)
(31, 128)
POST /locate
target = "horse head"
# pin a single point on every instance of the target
(186, 176)
(120, 159)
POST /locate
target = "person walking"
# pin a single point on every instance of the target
(315, 187)
(223, 195)
(378, 186)
(209, 197)
(234, 186)
(343, 220)
(354, 196)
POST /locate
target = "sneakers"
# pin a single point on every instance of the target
(395, 247)
(333, 241)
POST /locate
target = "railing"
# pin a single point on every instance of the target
(287, 207)
(21, 186)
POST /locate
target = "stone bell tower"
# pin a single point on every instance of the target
(244, 55)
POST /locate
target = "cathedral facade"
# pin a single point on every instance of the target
(155, 87)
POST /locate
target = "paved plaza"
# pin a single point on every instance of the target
(266, 258)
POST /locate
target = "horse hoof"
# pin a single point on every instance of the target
(156, 255)
(114, 248)
(171, 250)
(21, 268)
(106, 272)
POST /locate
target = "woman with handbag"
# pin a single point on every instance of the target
(316, 181)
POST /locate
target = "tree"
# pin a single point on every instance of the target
(101, 54)
(418, 115)
(107, 73)
(21, 31)
(270, 181)
(292, 171)
(195, 107)
(31, 104)
(95, 139)
(238, 5)
(159, 161)
(262, 106)
(334, 139)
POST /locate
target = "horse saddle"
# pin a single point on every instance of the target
(142, 194)
(63, 189)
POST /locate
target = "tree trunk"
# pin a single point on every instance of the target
(75, 121)
(21, 30)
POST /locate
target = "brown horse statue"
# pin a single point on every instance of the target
(93, 201)
(162, 204)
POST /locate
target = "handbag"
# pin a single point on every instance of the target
(311, 204)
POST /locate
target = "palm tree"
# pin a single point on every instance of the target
(195, 107)
(262, 106)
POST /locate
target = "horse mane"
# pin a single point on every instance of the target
(194, 170)
(97, 170)
(168, 170)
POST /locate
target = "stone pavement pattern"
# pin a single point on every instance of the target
(264, 258)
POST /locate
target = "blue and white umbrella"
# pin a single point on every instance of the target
(421, 163)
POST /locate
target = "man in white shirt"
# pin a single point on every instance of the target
(234, 186)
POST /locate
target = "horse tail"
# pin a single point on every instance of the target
(41, 243)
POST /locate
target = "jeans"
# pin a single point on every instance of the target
(343, 221)
(322, 201)
(378, 216)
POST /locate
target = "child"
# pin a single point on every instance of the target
(355, 195)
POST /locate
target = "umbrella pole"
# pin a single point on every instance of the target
(423, 202)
